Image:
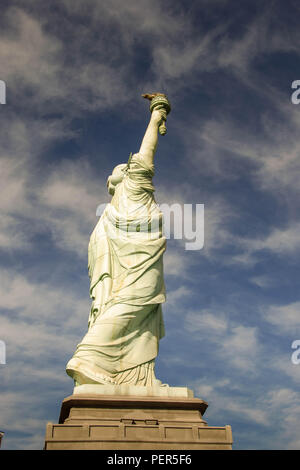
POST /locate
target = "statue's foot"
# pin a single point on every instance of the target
(158, 383)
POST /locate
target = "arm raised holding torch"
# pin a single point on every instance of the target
(159, 108)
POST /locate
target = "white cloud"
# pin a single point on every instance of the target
(41, 326)
(39, 304)
(259, 415)
(38, 72)
(282, 397)
(285, 317)
(222, 404)
(175, 263)
(68, 203)
(262, 281)
(227, 399)
(281, 241)
(64, 202)
(207, 323)
(29, 56)
(174, 297)
(72, 186)
(237, 344)
(242, 347)
(131, 18)
(178, 59)
(287, 401)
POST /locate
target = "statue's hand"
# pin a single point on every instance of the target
(159, 114)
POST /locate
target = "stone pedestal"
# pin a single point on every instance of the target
(122, 422)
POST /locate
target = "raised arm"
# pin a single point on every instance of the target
(149, 142)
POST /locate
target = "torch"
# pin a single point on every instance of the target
(159, 100)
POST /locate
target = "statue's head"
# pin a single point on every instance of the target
(115, 178)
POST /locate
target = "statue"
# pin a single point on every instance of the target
(125, 262)
(117, 402)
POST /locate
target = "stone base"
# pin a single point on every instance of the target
(94, 422)
(133, 390)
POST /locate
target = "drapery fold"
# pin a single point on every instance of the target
(125, 263)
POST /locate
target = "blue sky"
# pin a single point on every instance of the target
(74, 72)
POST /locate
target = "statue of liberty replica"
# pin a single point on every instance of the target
(117, 401)
(125, 261)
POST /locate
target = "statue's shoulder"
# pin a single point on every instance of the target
(139, 162)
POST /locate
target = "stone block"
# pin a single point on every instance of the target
(128, 422)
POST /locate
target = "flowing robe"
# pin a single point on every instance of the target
(125, 260)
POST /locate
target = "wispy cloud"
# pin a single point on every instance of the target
(286, 318)
(236, 343)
